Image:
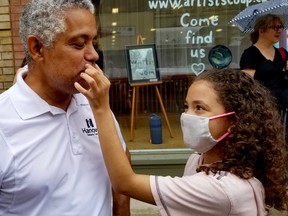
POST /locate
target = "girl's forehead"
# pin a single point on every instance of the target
(202, 93)
(201, 90)
(201, 85)
(276, 21)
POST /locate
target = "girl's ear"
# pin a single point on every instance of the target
(229, 129)
(35, 48)
(232, 122)
(231, 125)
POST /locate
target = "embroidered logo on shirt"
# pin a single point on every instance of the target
(90, 130)
(89, 123)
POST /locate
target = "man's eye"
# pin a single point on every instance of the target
(79, 46)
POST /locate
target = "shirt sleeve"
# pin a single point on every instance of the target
(5, 158)
(7, 175)
(247, 60)
(119, 133)
(198, 194)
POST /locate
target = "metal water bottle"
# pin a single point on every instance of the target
(155, 129)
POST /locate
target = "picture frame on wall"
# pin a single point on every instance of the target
(142, 63)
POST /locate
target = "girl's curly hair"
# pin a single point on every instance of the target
(255, 146)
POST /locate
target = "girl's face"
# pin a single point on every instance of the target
(273, 32)
(202, 100)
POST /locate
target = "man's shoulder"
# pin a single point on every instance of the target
(81, 99)
(4, 94)
(5, 98)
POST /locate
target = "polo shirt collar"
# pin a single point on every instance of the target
(29, 104)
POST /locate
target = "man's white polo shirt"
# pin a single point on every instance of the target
(50, 160)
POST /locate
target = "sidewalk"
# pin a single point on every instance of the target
(139, 208)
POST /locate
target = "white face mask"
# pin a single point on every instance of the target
(196, 133)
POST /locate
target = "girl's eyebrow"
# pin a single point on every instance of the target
(199, 101)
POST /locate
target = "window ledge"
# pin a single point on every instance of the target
(160, 156)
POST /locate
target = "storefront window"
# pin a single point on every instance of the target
(183, 31)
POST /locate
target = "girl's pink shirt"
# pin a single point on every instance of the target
(207, 195)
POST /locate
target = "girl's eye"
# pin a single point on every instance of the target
(185, 107)
(199, 107)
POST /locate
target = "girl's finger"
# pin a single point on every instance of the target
(91, 69)
(88, 78)
(97, 67)
(80, 88)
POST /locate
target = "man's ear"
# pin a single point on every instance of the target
(35, 48)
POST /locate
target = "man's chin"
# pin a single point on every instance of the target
(83, 83)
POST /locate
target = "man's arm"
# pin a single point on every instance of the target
(121, 203)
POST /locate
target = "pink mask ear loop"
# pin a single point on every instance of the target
(223, 136)
(219, 116)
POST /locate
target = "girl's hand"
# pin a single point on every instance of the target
(98, 92)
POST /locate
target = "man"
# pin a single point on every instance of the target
(50, 158)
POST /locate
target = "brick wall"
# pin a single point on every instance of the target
(11, 51)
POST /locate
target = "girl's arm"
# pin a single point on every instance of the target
(122, 176)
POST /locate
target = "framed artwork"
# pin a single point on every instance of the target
(142, 63)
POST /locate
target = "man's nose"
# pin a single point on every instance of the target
(91, 54)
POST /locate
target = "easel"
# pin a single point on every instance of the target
(135, 99)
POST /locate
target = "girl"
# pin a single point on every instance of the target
(232, 122)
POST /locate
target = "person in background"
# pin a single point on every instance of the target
(233, 122)
(50, 160)
(264, 62)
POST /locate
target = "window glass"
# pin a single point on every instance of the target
(183, 31)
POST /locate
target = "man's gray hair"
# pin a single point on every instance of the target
(46, 19)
